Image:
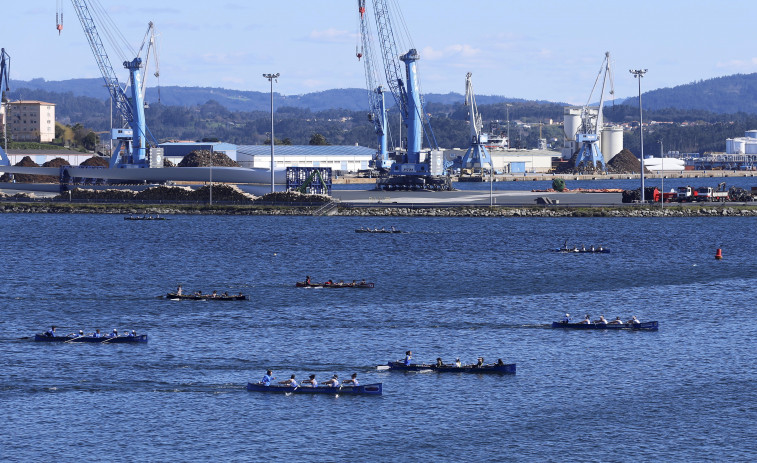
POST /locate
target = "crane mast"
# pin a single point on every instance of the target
(5, 65)
(405, 89)
(376, 103)
(590, 153)
(131, 108)
(477, 155)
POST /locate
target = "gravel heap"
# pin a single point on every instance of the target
(225, 193)
(294, 197)
(95, 161)
(201, 158)
(625, 163)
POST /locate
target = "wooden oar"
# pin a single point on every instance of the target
(383, 367)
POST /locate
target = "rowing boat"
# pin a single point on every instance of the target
(364, 230)
(368, 389)
(102, 339)
(305, 284)
(507, 368)
(204, 297)
(646, 326)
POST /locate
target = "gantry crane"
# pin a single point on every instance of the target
(376, 103)
(131, 108)
(414, 169)
(590, 153)
(5, 64)
(477, 155)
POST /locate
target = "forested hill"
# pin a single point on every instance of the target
(351, 99)
(721, 95)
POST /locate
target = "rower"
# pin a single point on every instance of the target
(333, 382)
(601, 320)
(97, 334)
(480, 362)
(586, 321)
(457, 363)
(51, 332)
(634, 320)
(439, 362)
(114, 334)
(566, 319)
(81, 333)
(307, 280)
(408, 357)
(266, 381)
(352, 380)
(132, 334)
(290, 382)
(500, 363)
(617, 321)
(178, 291)
(215, 294)
(312, 381)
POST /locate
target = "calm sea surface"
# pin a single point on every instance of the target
(451, 287)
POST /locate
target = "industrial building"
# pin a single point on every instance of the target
(350, 158)
(29, 120)
(515, 161)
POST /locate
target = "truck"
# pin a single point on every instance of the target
(685, 194)
(709, 193)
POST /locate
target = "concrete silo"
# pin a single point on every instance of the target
(612, 141)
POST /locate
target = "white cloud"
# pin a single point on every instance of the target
(737, 64)
(451, 51)
(331, 36)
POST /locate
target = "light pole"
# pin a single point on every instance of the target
(638, 74)
(271, 78)
(662, 175)
(507, 106)
(211, 176)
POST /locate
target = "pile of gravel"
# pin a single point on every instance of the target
(625, 163)
(26, 161)
(293, 197)
(95, 161)
(225, 193)
(201, 158)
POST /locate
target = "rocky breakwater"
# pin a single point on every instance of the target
(745, 211)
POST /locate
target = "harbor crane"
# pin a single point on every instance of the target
(376, 103)
(590, 153)
(131, 107)
(415, 168)
(477, 155)
(5, 64)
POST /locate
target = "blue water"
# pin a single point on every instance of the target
(452, 287)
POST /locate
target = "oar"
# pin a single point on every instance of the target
(383, 367)
(73, 339)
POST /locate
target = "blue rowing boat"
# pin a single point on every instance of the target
(646, 326)
(142, 338)
(507, 368)
(368, 389)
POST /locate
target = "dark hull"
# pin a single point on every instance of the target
(368, 389)
(145, 218)
(377, 231)
(108, 340)
(646, 326)
(508, 368)
(204, 297)
(302, 284)
(582, 251)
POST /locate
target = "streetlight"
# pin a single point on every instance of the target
(662, 174)
(638, 74)
(271, 78)
(507, 106)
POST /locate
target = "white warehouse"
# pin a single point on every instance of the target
(344, 158)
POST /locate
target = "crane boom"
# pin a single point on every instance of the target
(477, 155)
(377, 109)
(130, 108)
(590, 153)
(5, 65)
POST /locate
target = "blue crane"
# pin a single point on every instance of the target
(5, 64)
(477, 155)
(590, 153)
(131, 108)
(376, 104)
(405, 89)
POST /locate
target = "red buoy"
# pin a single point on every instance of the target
(719, 254)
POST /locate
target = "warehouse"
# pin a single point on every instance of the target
(350, 158)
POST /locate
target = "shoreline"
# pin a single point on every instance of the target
(343, 210)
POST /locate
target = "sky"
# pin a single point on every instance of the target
(531, 49)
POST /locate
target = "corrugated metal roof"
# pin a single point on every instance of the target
(220, 146)
(306, 150)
